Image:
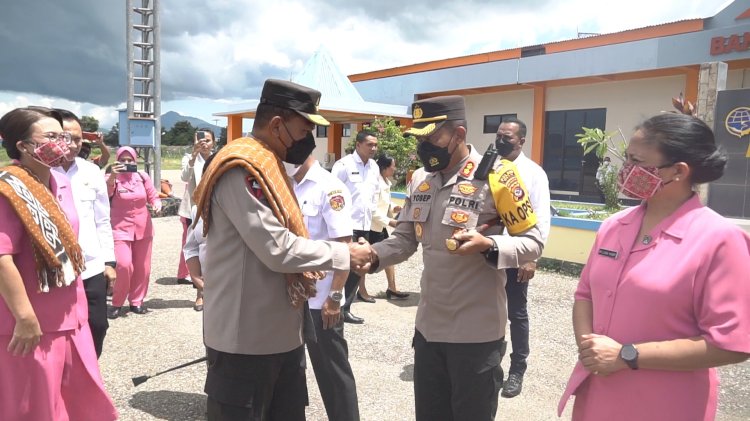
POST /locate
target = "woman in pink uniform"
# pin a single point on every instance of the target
(48, 366)
(133, 232)
(663, 298)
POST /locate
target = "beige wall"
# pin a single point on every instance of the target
(738, 79)
(628, 103)
(513, 102)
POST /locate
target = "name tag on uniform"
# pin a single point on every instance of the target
(609, 253)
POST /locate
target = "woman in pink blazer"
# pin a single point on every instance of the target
(133, 232)
(663, 298)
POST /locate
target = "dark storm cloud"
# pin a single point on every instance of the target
(73, 49)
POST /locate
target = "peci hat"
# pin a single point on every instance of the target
(290, 95)
(431, 113)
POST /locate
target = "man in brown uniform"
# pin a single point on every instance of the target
(259, 263)
(458, 342)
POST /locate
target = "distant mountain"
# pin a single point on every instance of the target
(169, 119)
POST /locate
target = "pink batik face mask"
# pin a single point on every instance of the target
(52, 153)
(639, 182)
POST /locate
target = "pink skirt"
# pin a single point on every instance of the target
(60, 381)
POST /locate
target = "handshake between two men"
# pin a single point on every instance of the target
(364, 258)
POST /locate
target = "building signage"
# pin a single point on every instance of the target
(730, 195)
(737, 123)
(736, 43)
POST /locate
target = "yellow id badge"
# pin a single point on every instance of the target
(511, 198)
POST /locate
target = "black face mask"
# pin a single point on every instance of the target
(300, 150)
(503, 146)
(434, 158)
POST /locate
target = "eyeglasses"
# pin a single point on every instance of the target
(52, 136)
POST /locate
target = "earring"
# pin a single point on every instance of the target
(677, 179)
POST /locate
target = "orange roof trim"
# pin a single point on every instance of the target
(743, 15)
(667, 29)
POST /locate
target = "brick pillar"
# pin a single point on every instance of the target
(712, 78)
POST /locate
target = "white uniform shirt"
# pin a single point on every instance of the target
(192, 177)
(537, 183)
(362, 181)
(195, 242)
(326, 205)
(92, 205)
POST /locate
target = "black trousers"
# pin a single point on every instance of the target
(352, 282)
(256, 387)
(518, 317)
(457, 381)
(96, 295)
(330, 361)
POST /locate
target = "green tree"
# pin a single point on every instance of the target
(89, 124)
(112, 138)
(182, 134)
(600, 142)
(391, 140)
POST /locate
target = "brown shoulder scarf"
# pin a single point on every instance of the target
(267, 170)
(58, 256)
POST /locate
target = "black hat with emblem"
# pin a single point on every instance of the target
(301, 99)
(431, 113)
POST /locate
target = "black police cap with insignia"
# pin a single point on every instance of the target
(301, 99)
(431, 113)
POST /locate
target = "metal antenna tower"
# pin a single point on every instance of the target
(144, 81)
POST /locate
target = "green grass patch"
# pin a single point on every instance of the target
(171, 163)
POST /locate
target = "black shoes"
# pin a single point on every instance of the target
(367, 300)
(113, 312)
(395, 295)
(512, 387)
(138, 310)
(350, 318)
(184, 281)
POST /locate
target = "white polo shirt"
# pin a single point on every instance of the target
(92, 205)
(362, 181)
(326, 205)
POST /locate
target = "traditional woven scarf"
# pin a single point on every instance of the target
(266, 169)
(58, 256)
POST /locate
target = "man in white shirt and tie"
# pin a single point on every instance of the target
(95, 231)
(360, 173)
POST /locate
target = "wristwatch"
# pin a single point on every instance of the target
(336, 296)
(491, 253)
(629, 354)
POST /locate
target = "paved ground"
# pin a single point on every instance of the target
(380, 350)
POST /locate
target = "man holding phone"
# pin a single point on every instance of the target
(89, 140)
(192, 169)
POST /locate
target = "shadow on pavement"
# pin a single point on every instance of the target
(158, 303)
(168, 280)
(411, 301)
(407, 374)
(171, 405)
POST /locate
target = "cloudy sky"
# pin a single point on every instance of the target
(216, 54)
